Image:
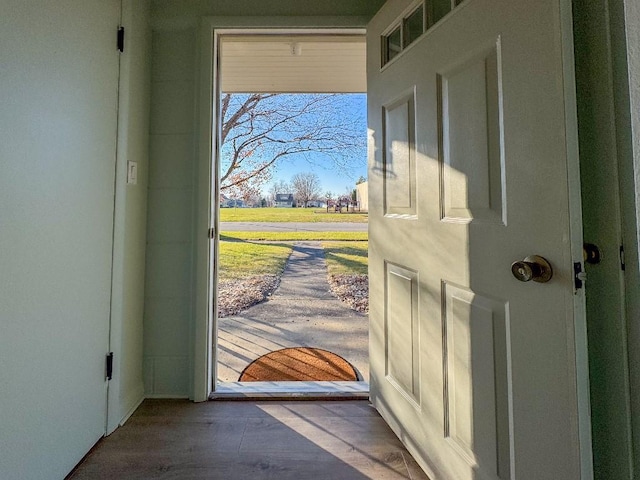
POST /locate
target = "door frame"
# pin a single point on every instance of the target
(207, 188)
(625, 40)
(620, 39)
(600, 32)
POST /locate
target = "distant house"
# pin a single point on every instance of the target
(284, 200)
(235, 202)
(362, 195)
(226, 202)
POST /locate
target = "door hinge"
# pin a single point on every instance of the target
(622, 260)
(109, 365)
(121, 39)
(212, 233)
(579, 277)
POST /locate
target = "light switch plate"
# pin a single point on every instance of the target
(132, 173)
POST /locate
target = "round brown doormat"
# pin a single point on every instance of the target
(299, 364)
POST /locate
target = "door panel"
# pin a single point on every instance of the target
(402, 331)
(473, 369)
(399, 165)
(470, 121)
(475, 378)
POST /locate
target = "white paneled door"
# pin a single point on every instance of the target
(58, 85)
(474, 368)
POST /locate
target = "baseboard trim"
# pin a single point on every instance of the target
(168, 397)
(127, 415)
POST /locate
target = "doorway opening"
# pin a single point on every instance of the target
(290, 204)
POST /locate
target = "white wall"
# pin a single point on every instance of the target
(58, 86)
(167, 320)
(171, 269)
(126, 390)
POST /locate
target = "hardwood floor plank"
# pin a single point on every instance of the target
(251, 440)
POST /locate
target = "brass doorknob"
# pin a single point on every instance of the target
(534, 267)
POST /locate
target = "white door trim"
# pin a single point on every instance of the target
(204, 364)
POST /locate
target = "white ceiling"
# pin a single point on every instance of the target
(293, 64)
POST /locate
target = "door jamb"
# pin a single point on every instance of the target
(625, 38)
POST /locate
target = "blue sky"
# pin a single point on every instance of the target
(330, 179)
(337, 181)
(338, 169)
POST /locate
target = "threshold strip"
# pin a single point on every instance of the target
(291, 391)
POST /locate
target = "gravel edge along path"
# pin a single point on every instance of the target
(235, 296)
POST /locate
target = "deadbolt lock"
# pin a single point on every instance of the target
(591, 254)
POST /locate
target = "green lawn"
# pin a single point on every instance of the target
(291, 236)
(347, 257)
(241, 259)
(288, 215)
(245, 259)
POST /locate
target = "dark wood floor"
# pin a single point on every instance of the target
(170, 439)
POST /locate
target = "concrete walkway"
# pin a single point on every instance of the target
(302, 312)
(293, 227)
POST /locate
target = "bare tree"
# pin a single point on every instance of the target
(329, 199)
(247, 190)
(260, 129)
(306, 187)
